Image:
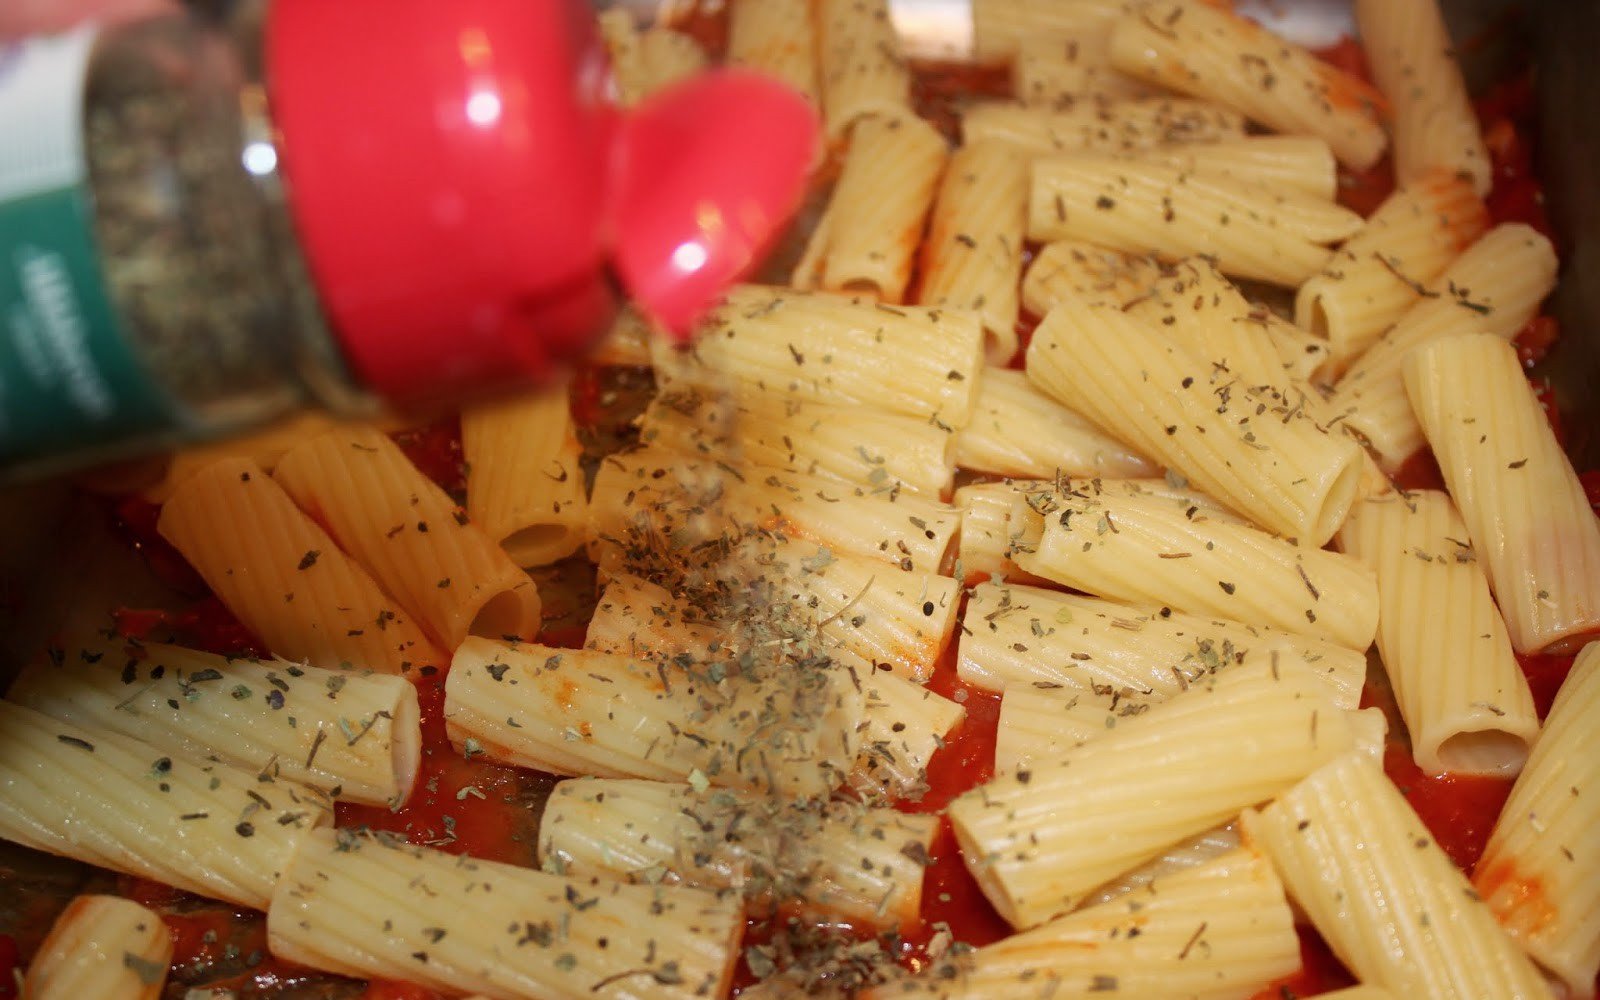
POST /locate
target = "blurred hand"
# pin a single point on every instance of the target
(36, 17)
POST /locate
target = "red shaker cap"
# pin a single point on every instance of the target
(446, 166)
(708, 173)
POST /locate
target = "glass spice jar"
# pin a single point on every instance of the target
(152, 291)
(205, 226)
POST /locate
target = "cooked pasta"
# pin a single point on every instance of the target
(836, 349)
(285, 579)
(1115, 126)
(1017, 430)
(1251, 446)
(353, 735)
(1000, 26)
(1540, 873)
(1462, 693)
(1526, 513)
(1195, 48)
(1073, 270)
(101, 947)
(576, 712)
(122, 804)
(1192, 763)
(867, 239)
(524, 484)
(1216, 932)
(365, 906)
(863, 445)
(852, 862)
(416, 542)
(862, 68)
(1384, 269)
(1139, 206)
(1388, 900)
(1413, 62)
(1019, 636)
(1494, 287)
(1132, 546)
(972, 257)
(776, 37)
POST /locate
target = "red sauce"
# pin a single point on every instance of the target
(1459, 810)
(941, 91)
(1504, 115)
(435, 449)
(206, 624)
(1545, 675)
(133, 522)
(459, 806)
(1320, 971)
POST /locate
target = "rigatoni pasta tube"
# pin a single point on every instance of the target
(1195, 48)
(1494, 287)
(903, 722)
(862, 68)
(1298, 162)
(837, 349)
(278, 571)
(1540, 873)
(856, 444)
(1141, 207)
(362, 906)
(1018, 636)
(972, 257)
(847, 861)
(868, 236)
(1390, 903)
(1525, 510)
(1382, 271)
(697, 499)
(1250, 446)
(1103, 127)
(101, 947)
(524, 483)
(1217, 932)
(1061, 68)
(776, 37)
(1460, 689)
(1017, 430)
(1192, 763)
(354, 735)
(576, 711)
(1067, 270)
(1000, 26)
(264, 448)
(122, 804)
(644, 61)
(1142, 549)
(406, 530)
(1413, 63)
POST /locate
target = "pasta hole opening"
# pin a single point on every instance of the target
(862, 286)
(507, 613)
(541, 544)
(1486, 751)
(1341, 496)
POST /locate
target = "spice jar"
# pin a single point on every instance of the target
(204, 226)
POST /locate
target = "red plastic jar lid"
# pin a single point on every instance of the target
(458, 182)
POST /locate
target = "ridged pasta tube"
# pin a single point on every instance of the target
(1253, 447)
(1388, 900)
(367, 907)
(1526, 512)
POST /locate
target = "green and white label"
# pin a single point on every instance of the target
(68, 377)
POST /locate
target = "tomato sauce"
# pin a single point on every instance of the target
(459, 806)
